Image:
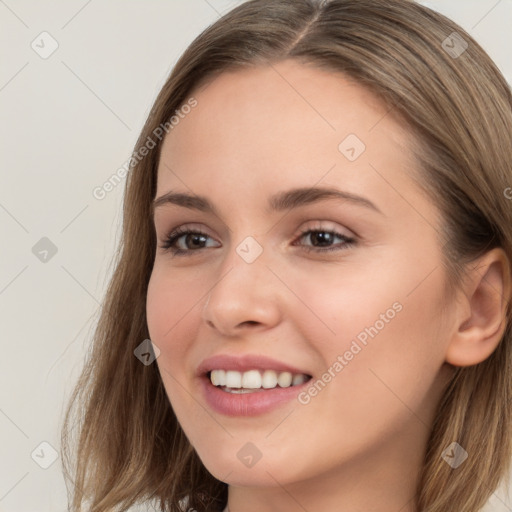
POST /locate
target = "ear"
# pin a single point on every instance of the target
(482, 312)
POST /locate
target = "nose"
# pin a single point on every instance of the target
(245, 296)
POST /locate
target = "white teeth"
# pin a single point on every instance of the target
(233, 379)
(285, 379)
(269, 379)
(251, 379)
(254, 379)
(218, 377)
(298, 379)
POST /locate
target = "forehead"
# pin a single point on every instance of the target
(287, 121)
(248, 97)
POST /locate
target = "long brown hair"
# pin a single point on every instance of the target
(119, 426)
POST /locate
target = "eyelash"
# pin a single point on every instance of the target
(170, 239)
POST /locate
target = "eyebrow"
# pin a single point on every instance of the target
(281, 201)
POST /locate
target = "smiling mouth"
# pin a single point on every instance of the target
(254, 381)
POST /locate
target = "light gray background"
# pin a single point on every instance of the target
(68, 123)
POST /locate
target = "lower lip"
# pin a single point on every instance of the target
(248, 404)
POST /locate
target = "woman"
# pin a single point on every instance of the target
(311, 306)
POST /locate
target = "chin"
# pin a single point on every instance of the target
(256, 476)
(227, 465)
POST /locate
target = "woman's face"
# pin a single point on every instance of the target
(367, 321)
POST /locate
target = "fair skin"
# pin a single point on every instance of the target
(359, 443)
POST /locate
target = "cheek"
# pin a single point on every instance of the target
(341, 305)
(171, 311)
(168, 303)
(383, 382)
(386, 329)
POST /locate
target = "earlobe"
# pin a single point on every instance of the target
(483, 310)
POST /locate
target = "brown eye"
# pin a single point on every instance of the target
(192, 240)
(325, 238)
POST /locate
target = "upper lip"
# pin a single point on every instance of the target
(244, 363)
